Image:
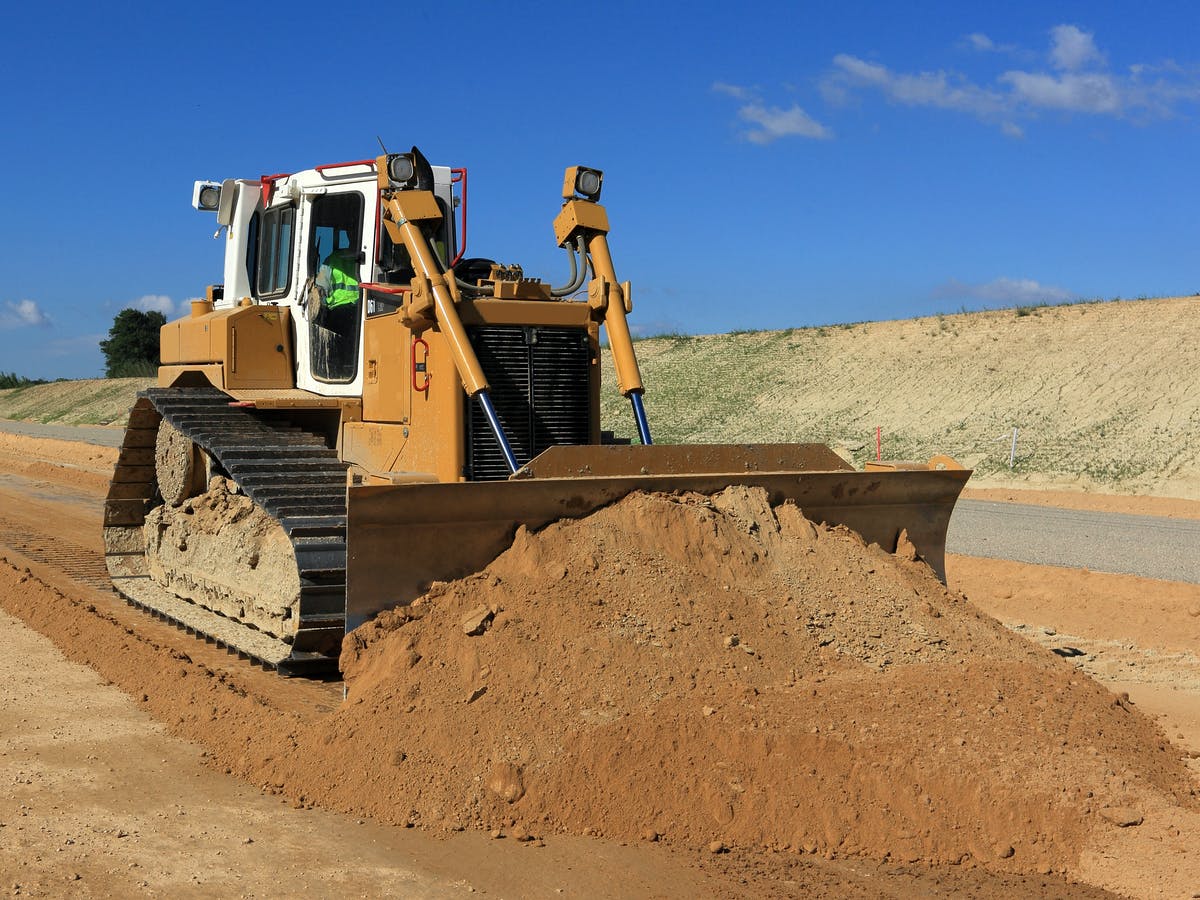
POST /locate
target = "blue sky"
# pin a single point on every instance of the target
(767, 165)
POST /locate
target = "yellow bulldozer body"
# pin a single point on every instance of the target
(404, 440)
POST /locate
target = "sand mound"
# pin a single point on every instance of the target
(712, 669)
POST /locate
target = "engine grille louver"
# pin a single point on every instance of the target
(539, 380)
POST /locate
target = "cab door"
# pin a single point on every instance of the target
(333, 254)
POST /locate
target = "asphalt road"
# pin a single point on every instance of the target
(1150, 546)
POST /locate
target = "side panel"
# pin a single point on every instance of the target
(387, 384)
(259, 348)
(252, 344)
(417, 431)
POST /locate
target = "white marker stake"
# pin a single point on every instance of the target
(1012, 455)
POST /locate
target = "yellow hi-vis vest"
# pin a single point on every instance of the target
(343, 286)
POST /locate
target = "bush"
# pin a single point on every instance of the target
(132, 345)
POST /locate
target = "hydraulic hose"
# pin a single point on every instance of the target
(577, 278)
(578, 274)
(473, 289)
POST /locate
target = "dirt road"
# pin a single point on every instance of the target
(100, 435)
(95, 787)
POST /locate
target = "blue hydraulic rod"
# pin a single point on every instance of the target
(485, 403)
(639, 414)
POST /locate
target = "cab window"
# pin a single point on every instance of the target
(335, 269)
(394, 265)
(275, 252)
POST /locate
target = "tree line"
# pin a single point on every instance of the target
(13, 380)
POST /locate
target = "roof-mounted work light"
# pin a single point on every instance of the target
(206, 196)
(580, 181)
(401, 169)
(409, 171)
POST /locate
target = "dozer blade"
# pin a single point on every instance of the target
(402, 537)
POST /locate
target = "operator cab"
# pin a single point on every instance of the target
(291, 239)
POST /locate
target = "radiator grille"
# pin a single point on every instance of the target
(539, 379)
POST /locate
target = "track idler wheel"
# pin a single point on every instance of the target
(179, 465)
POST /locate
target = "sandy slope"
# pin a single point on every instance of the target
(88, 401)
(1105, 395)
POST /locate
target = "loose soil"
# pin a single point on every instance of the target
(766, 665)
(133, 813)
(831, 720)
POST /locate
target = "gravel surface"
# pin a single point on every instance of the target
(1149, 546)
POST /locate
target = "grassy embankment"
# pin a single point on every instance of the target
(1104, 395)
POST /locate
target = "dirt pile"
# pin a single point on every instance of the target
(221, 551)
(574, 700)
(715, 670)
(249, 721)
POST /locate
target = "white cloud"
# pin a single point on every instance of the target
(1072, 48)
(771, 122)
(22, 313)
(1077, 80)
(980, 41)
(733, 90)
(1090, 92)
(156, 302)
(938, 89)
(1004, 291)
(775, 123)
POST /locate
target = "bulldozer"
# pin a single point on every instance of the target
(358, 410)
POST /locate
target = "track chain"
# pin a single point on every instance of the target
(297, 479)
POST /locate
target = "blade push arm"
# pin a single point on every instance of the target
(404, 213)
(609, 298)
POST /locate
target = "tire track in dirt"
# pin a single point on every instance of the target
(82, 565)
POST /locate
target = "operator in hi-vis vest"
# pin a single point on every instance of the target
(336, 289)
(338, 282)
